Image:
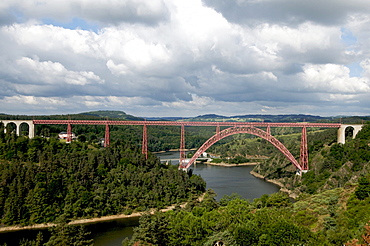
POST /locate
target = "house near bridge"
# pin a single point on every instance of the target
(64, 135)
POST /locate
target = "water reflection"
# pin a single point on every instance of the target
(114, 232)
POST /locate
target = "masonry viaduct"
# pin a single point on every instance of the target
(18, 123)
(234, 128)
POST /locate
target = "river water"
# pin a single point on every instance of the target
(223, 180)
(227, 180)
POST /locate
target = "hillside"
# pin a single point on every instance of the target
(331, 205)
(267, 118)
(45, 180)
(92, 115)
(251, 118)
(333, 217)
(112, 114)
(331, 165)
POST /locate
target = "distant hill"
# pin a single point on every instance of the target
(252, 118)
(93, 115)
(120, 115)
(112, 114)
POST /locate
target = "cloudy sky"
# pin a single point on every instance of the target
(185, 57)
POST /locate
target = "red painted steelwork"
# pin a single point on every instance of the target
(107, 136)
(304, 150)
(182, 145)
(249, 127)
(217, 129)
(144, 146)
(244, 129)
(185, 123)
(69, 133)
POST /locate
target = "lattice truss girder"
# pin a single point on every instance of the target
(246, 129)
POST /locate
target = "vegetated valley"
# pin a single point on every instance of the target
(331, 204)
(45, 180)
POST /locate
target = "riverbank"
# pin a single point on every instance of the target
(93, 220)
(173, 150)
(282, 187)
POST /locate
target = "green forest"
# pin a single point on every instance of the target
(331, 205)
(46, 180)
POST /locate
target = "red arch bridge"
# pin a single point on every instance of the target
(234, 128)
(253, 128)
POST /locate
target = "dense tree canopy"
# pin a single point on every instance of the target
(44, 180)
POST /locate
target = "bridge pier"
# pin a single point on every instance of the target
(144, 146)
(69, 133)
(304, 150)
(107, 136)
(182, 145)
(342, 132)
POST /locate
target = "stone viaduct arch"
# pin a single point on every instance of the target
(246, 129)
(342, 132)
(18, 123)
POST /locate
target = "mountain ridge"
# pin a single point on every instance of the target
(121, 115)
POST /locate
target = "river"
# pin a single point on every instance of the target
(223, 180)
(227, 180)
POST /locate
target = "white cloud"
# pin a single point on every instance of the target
(33, 71)
(106, 12)
(47, 38)
(365, 64)
(333, 78)
(173, 55)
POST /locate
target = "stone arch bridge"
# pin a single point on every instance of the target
(18, 123)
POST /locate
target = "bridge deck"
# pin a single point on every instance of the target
(185, 123)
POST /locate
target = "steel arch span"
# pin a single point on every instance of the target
(243, 129)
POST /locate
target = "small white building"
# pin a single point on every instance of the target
(63, 135)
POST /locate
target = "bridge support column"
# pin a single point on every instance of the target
(304, 150)
(31, 130)
(218, 129)
(69, 133)
(107, 136)
(342, 132)
(18, 131)
(182, 145)
(144, 146)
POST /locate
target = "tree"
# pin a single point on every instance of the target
(363, 189)
(69, 235)
(365, 238)
(153, 229)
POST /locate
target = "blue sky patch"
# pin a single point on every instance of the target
(347, 37)
(75, 23)
(356, 69)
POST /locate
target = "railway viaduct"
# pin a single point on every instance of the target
(253, 128)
